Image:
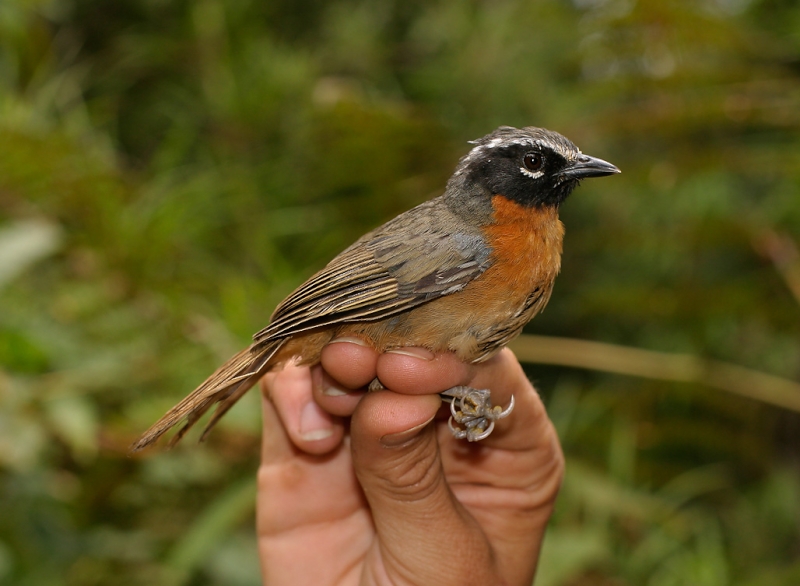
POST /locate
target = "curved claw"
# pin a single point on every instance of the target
(482, 435)
(507, 411)
(457, 433)
(454, 411)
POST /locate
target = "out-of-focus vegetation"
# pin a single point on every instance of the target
(169, 170)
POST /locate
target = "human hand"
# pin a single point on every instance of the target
(393, 498)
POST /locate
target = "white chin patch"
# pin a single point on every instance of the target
(531, 174)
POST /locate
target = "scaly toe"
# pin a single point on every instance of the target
(457, 432)
(482, 433)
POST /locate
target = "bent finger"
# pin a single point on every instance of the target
(308, 427)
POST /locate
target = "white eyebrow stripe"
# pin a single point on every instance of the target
(569, 153)
(496, 142)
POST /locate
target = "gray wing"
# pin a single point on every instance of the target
(385, 273)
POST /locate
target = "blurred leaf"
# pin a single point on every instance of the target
(568, 553)
(75, 420)
(24, 243)
(217, 521)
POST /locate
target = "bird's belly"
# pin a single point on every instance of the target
(471, 323)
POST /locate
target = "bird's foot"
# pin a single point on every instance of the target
(472, 411)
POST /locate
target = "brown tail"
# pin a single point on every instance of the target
(226, 386)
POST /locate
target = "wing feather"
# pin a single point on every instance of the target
(383, 274)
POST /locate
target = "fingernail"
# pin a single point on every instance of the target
(333, 391)
(393, 440)
(325, 384)
(348, 340)
(315, 424)
(414, 352)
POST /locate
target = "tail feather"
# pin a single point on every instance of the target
(237, 391)
(226, 386)
(224, 405)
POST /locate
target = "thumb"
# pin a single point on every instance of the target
(418, 521)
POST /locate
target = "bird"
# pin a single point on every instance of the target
(462, 272)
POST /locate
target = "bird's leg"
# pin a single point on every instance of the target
(472, 410)
(375, 385)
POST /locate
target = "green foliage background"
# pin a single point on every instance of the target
(169, 170)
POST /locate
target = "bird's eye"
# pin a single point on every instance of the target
(533, 161)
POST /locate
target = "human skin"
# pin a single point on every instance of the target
(372, 488)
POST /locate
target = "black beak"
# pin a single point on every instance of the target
(586, 166)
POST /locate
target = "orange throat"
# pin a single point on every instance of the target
(526, 242)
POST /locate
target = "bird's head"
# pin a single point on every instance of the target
(530, 166)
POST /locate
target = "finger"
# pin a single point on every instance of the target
(418, 371)
(298, 487)
(308, 505)
(332, 396)
(419, 522)
(275, 443)
(350, 362)
(307, 426)
(348, 366)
